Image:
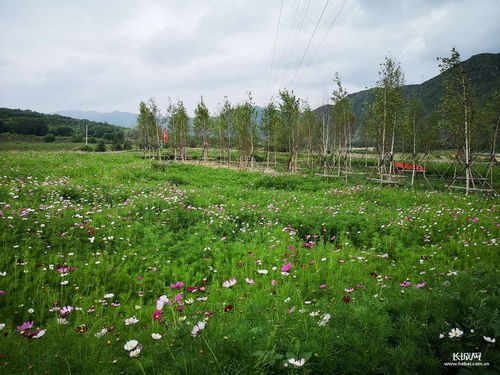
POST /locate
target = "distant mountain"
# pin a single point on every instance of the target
(483, 71)
(125, 119)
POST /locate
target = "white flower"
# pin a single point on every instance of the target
(4, 273)
(109, 295)
(486, 338)
(229, 283)
(314, 313)
(263, 272)
(65, 282)
(130, 321)
(200, 326)
(39, 334)
(137, 307)
(134, 353)
(441, 336)
(66, 310)
(297, 363)
(160, 302)
(156, 336)
(455, 332)
(288, 299)
(31, 311)
(130, 345)
(101, 333)
(324, 320)
(2, 326)
(62, 321)
(91, 239)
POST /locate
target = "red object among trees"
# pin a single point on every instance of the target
(165, 135)
(409, 167)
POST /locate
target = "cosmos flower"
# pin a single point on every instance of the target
(156, 315)
(25, 326)
(420, 285)
(39, 334)
(486, 338)
(274, 282)
(2, 326)
(455, 332)
(229, 283)
(62, 321)
(177, 285)
(200, 326)
(287, 267)
(324, 319)
(109, 295)
(135, 353)
(263, 272)
(101, 333)
(405, 284)
(346, 299)
(156, 336)
(297, 362)
(349, 290)
(131, 344)
(249, 281)
(130, 321)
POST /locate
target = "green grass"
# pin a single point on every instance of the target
(133, 227)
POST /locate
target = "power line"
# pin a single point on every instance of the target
(322, 41)
(275, 41)
(290, 57)
(281, 59)
(310, 40)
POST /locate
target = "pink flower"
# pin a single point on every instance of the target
(139, 278)
(249, 281)
(322, 286)
(420, 285)
(346, 299)
(177, 285)
(178, 297)
(2, 292)
(287, 267)
(360, 285)
(405, 284)
(274, 283)
(156, 315)
(229, 283)
(25, 326)
(349, 290)
(291, 248)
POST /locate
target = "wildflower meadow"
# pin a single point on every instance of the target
(114, 264)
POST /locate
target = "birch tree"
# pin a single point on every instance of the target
(289, 120)
(202, 126)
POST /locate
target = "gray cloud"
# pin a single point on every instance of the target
(110, 55)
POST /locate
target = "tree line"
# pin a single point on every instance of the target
(393, 124)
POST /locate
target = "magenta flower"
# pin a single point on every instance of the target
(291, 248)
(178, 297)
(322, 286)
(287, 267)
(405, 284)
(156, 315)
(177, 285)
(25, 326)
(2, 291)
(360, 285)
(420, 285)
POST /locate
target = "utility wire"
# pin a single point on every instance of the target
(304, 14)
(274, 49)
(322, 41)
(309, 43)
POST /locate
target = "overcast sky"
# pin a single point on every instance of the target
(109, 55)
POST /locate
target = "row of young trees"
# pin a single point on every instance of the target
(393, 124)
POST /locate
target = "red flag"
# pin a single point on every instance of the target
(165, 135)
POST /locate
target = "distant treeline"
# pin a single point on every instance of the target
(34, 123)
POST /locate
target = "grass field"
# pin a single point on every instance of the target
(237, 272)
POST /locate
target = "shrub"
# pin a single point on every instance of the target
(49, 138)
(101, 147)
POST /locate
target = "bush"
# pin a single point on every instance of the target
(87, 148)
(77, 139)
(49, 138)
(101, 147)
